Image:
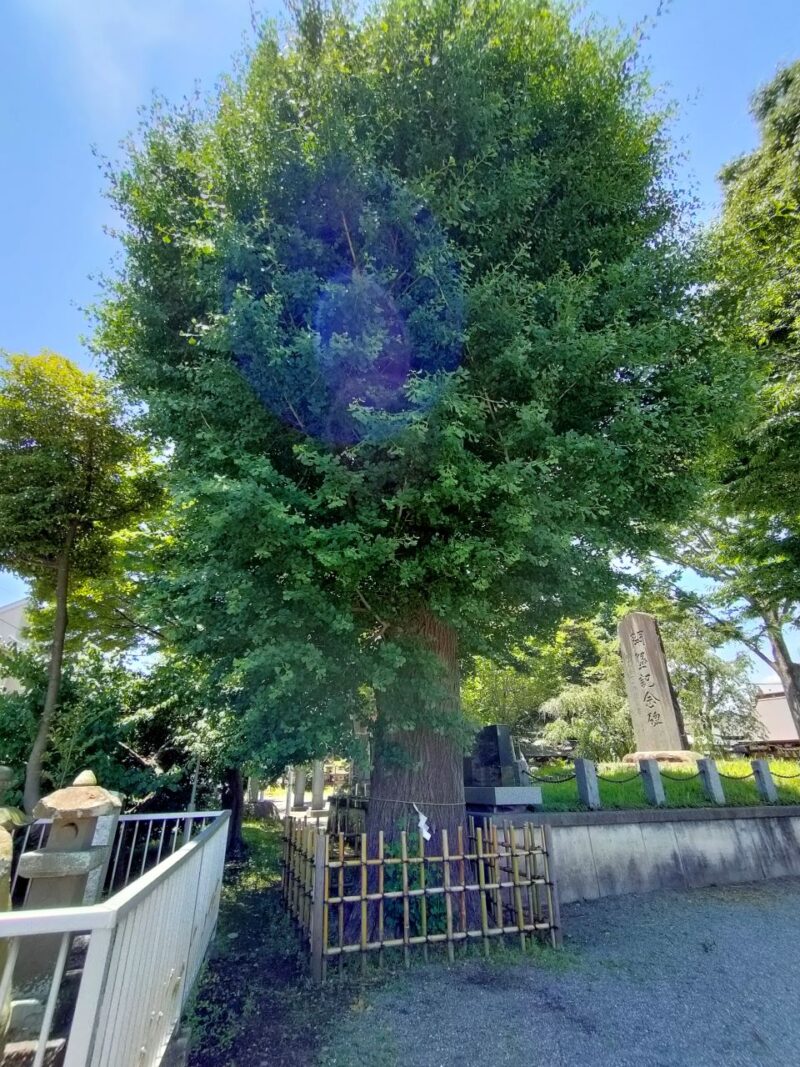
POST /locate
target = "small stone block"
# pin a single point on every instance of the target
(26, 1017)
(44, 864)
(503, 795)
(712, 784)
(764, 781)
(85, 778)
(586, 780)
(653, 784)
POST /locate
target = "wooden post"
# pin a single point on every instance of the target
(712, 783)
(764, 781)
(319, 904)
(586, 780)
(653, 785)
(552, 889)
(448, 903)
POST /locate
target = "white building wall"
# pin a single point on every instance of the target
(12, 620)
(773, 711)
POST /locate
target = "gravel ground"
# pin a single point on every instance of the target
(707, 977)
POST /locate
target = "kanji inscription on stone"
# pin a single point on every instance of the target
(657, 722)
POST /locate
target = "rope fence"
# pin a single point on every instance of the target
(552, 780)
(348, 813)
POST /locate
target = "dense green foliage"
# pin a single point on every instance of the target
(758, 246)
(413, 306)
(513, 690)
(73, 472)
(137, 731)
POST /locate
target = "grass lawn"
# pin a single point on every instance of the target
(621, 787)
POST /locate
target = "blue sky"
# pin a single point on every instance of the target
(74, 72)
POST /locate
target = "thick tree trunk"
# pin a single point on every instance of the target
(233, 800)
(33, 771)
(421, 765)
(788, 671)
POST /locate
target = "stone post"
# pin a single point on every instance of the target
(104, 837)
(764, 781)
(586, 780)
(712, 783)
(60, 871)
(6, 778)
(317, 786)
(299, 799)
(653, 785)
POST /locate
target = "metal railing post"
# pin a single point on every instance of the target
(83, 1031)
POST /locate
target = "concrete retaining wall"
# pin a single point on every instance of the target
(609, 853)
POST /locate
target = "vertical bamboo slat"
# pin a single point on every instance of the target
(423, 901)
(482, 884)
(406, 925)
(319, 906)
(462, 875)
(496, 876)
(531, 872)
(340, 855)
(364, 870)
(554, 915)
(448, 902)
(510, 835)
(381, 883)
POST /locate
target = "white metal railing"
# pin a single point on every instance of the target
(146, 944)
(140, 843)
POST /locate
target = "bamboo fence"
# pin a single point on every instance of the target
(493, 881)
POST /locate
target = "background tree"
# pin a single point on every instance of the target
(71, 473)
(747, 588)
(414, 307)
(513, 690)
(758, 261)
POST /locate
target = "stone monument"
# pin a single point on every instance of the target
(657, 721)
(492, 773)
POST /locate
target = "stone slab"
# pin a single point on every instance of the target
(503, 795)
(77, 802)
(44, 864)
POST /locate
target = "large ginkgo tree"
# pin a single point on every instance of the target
(414, 304)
